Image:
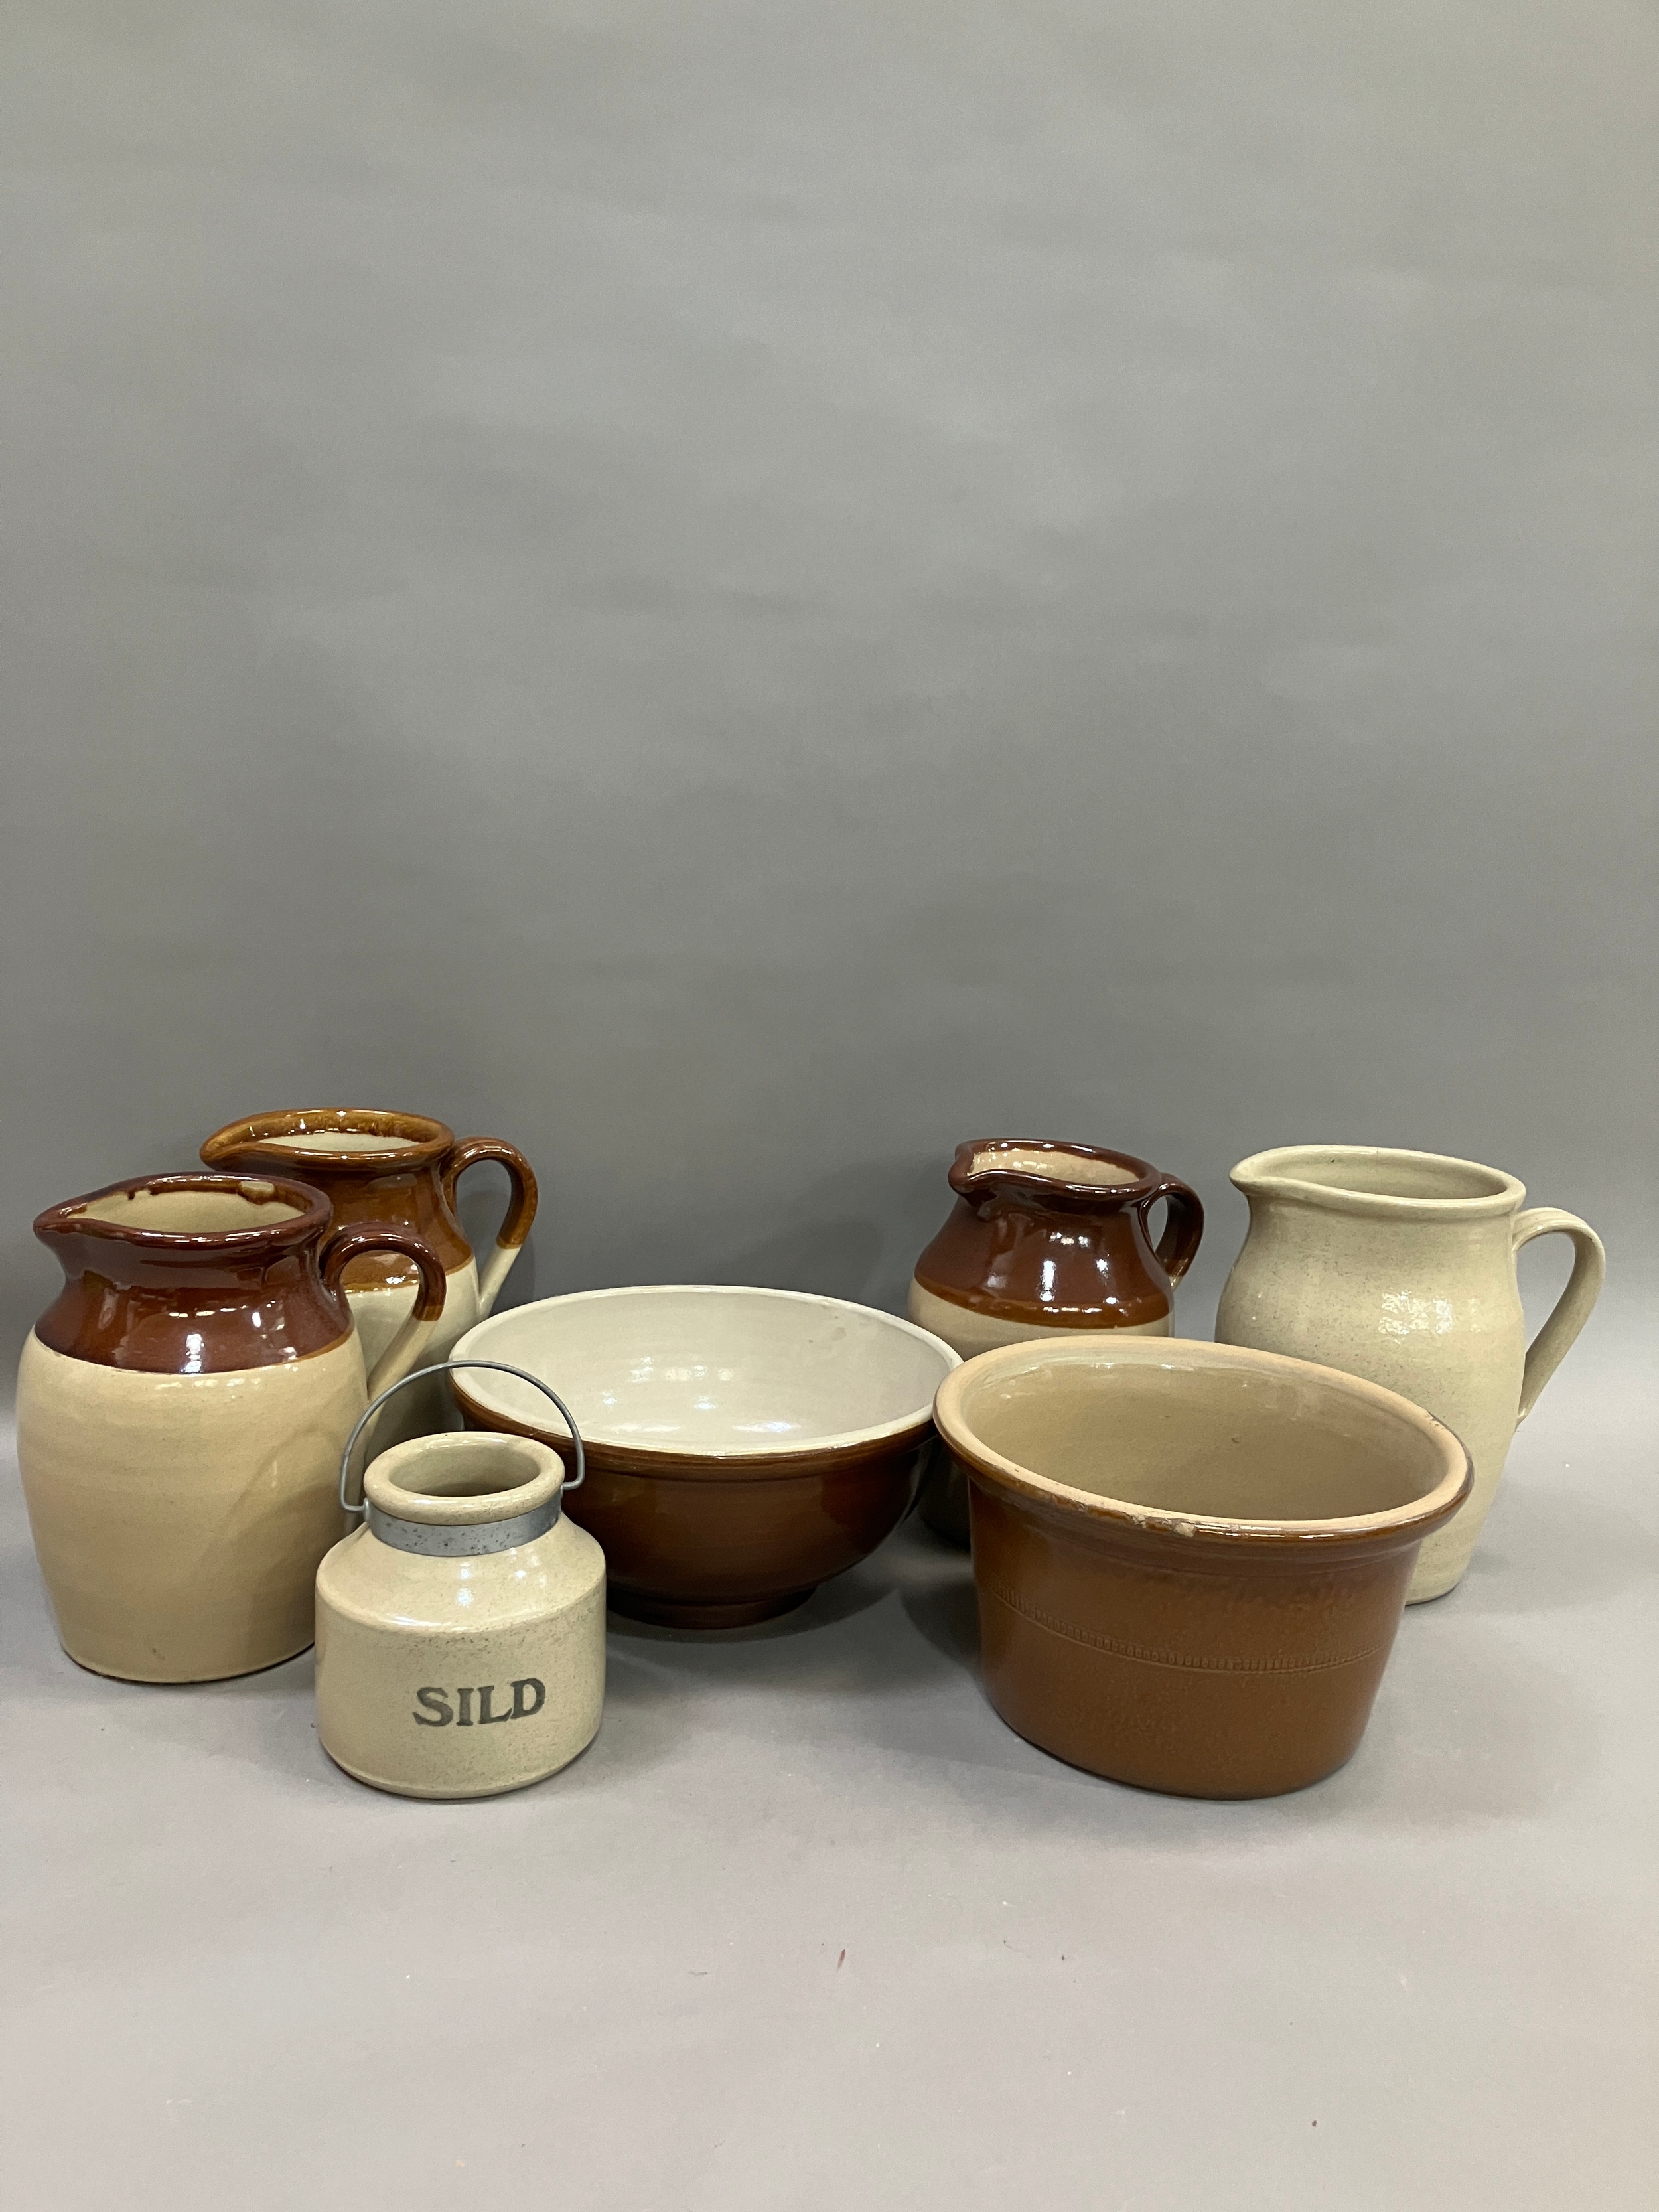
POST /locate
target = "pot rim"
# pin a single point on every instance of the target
(680, 1458)
(1271, 1174)
(1410, 1522)
(418, 1140)
(472, 1510)
(974, 1184)
(313, 1215)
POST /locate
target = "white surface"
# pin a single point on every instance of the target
(807, 1926)
(709, 1368)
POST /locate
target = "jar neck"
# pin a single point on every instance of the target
(474, 1540)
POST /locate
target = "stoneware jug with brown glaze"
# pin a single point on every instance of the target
(1399, 1267)
(460, 1630)
(1046, 1236)
(181, 1409)
(376, 1165)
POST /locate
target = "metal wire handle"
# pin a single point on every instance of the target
(443, 1367)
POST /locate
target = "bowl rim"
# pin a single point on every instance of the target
(1418, 1517)
(681, 1451)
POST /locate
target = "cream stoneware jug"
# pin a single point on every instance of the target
(180, 1411)
(1399, 1267)
(460, 1630)
(372, 1163)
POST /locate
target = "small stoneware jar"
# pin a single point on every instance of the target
(460, 1630)
(1046, 1236)
(180, 1411)
(374, 1164)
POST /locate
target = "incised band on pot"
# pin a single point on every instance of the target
(1191, 1559)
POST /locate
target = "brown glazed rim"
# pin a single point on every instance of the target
(312, 1217)
(1410, 1522)
(419, 1140)
(973, 1185)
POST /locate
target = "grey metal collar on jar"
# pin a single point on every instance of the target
(468, 1542)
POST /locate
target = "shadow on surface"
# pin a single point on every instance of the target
(947, 1614)
(1469, 1727)
(1547, 1551)
(850, 1594)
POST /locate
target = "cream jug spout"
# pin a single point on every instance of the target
(1380, 1182)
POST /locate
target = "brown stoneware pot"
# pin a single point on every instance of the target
(743, 1445)
(1044, 1236)
(1191, 1559)
(181, 1410)
(373, 1164)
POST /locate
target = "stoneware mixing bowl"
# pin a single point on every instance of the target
(743, 1445)
(1191, 1559)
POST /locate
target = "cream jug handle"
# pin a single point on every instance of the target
(341, 1246)
(520, 1207)
(443, 1367)
(1572, 1309)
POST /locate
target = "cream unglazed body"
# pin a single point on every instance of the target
(181, 1407)
(1399, 1267)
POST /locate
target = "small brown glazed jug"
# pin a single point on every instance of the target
(376, 1165)
(181, 1409)
(1046, 1236)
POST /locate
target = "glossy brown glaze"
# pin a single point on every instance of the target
(1027, 1240)
(1047, 1235)
(521, 1203)
(692, 1543)
(208, 1301)
(410, 1180)
(1204, 1660)
(345, 1248)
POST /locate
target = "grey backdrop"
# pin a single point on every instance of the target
(738, 593)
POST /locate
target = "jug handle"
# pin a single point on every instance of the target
(520, 1207)
(1183, 1225)
(1572, 1309)
(343, 1245)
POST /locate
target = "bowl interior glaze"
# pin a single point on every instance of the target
(1195, 1431)
(708, 1370)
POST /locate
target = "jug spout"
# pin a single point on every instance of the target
(1380, 1182)
(1045, 1173)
